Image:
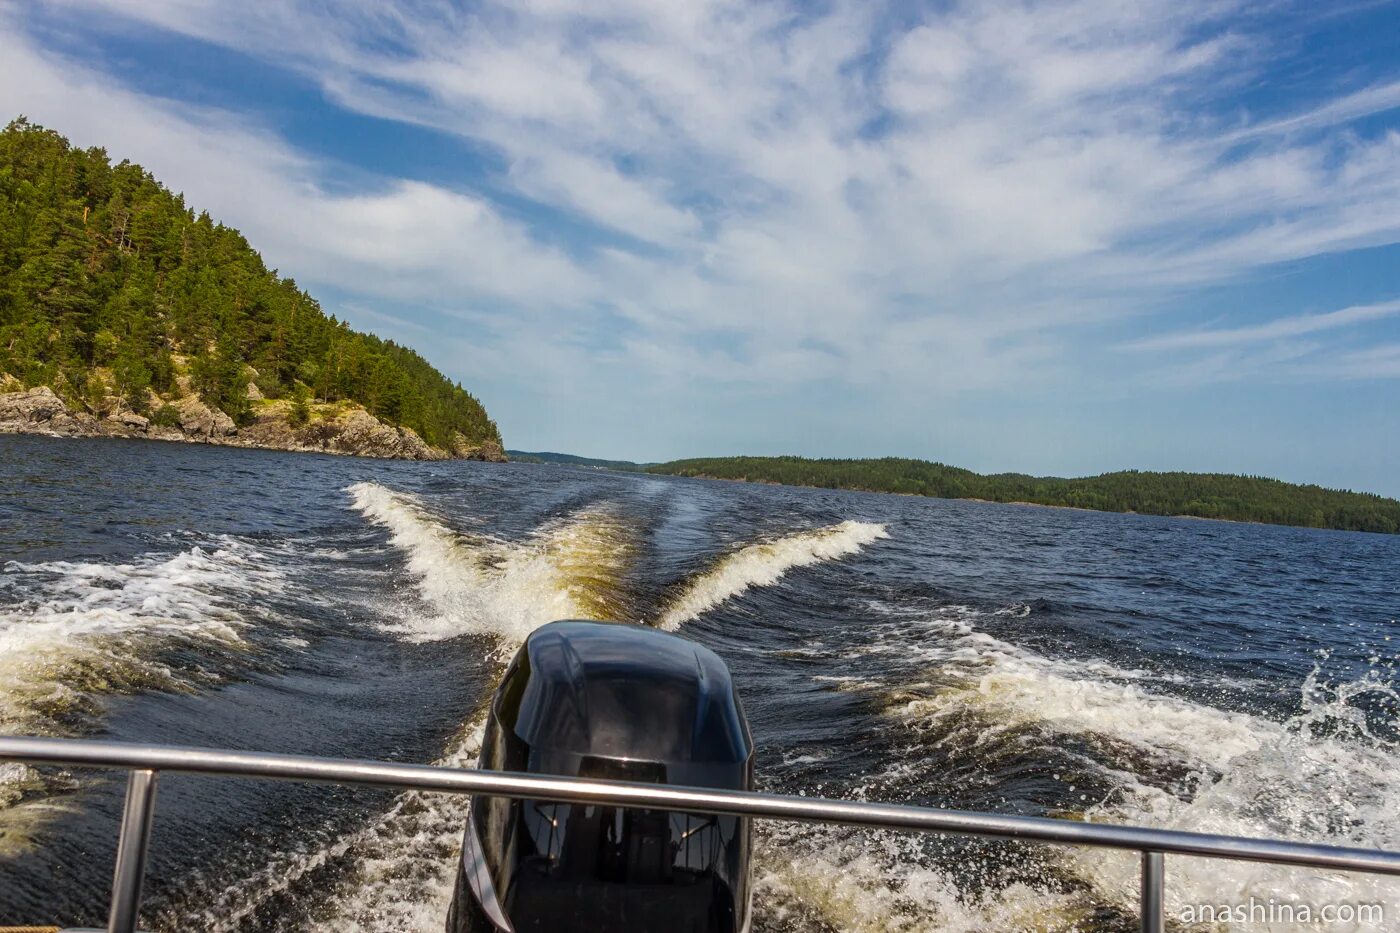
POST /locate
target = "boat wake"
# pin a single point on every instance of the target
(882, 671)
(572, 568)
(396, 873)
(824, 878)
(1321, 776)
(76, 632)
(969, 703)
(569, 568)
(763, 564)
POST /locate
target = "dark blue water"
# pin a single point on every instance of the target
(1202, 675)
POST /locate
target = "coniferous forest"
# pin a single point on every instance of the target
(1202, 495)
(110, 285)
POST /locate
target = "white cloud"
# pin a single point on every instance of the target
(950, 197)
(1276, 329)
(403, 240)
(598, 191)
(1365, 102)
(1379, 362)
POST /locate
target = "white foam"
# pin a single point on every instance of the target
(399, 869)
(1320, 777)
(568, 569)
(88, 629)
(89, 626)
(882, 882)
(763, 564)
(1013, 692)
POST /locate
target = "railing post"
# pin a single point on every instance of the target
(1153, 891)
(132, 847)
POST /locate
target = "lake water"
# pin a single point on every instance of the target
(1188, 674)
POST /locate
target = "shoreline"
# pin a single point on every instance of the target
(173, 437)
(342, 430)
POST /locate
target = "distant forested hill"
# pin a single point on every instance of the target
(545, 456)
(1204, 495)
(112, 288)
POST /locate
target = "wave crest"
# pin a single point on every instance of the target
(81, 631)
(568, 569)
(1321, 776)
(763, 564)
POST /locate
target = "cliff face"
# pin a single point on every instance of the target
(335, 429)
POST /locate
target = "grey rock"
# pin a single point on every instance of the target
(489, 451)
(199, 420)
(355, 432)
(35, 406)
(132, 420)
(414, 447)
(360, 433)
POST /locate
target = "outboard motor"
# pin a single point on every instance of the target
(609, 701)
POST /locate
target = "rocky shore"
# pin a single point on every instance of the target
(329, 429)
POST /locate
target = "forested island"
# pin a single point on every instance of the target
(546, 456)
(124, 312)
(1200, 495)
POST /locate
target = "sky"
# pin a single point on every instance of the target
(1048, 237)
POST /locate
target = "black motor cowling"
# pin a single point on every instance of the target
(610, 701)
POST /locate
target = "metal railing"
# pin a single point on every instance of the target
(146, 762)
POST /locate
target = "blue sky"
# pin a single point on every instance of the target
(1059, 237)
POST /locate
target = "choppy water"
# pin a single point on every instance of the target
(1189, 674)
